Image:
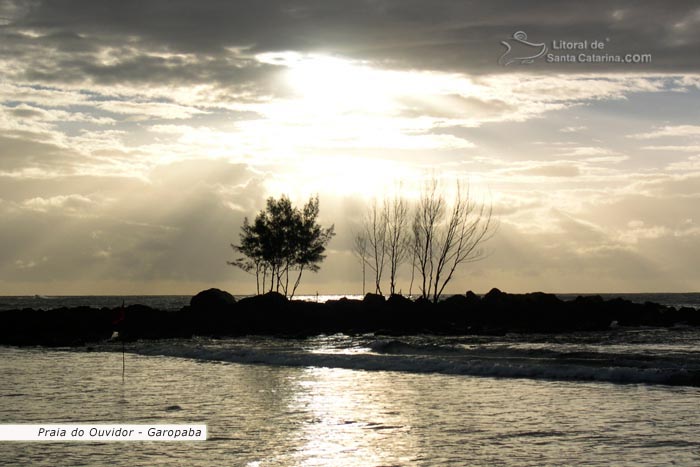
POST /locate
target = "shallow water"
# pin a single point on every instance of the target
(268, 415)
(621, 355)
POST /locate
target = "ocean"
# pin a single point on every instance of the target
(625, 396)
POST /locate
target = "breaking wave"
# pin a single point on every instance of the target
(394, 355)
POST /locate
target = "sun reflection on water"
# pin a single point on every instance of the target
(350, 422)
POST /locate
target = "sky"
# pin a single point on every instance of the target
(136, 136)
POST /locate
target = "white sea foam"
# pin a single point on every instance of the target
(404, 357)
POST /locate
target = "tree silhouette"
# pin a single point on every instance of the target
(434, 235)
(361, 251)
(398, 243)
(384, 240)
(444, 236)
(375, 235)
(282, 239)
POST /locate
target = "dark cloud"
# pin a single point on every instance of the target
(246, 76)
(54, 60)
(439, 35)
(26, 112)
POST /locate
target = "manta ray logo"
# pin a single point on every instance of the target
(519, 50)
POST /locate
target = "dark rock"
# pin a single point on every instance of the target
(212, 299)
(215, 313)
(472, 298)
(494, 295)
(267, 301)
(455, 301)
(397, 301)
(373, 299)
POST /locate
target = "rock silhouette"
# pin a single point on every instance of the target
(216, 313)
(212, 299)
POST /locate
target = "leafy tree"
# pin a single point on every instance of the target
(282, 240)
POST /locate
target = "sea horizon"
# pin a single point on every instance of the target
(176, 302)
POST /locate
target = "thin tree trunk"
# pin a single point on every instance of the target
(257, 278)
(413, 272)
(363, 279)
(286, 279)
(296, 283)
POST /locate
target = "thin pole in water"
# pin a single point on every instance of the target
(123, 361)
(119, 321)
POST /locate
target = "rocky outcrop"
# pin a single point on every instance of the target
(215, 312)
(212, 299)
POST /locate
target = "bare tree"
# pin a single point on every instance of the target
(375, 231)
(412, 251)
(429, 212)
(444, 237)
(361, 251)
(397, 237)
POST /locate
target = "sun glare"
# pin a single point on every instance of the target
(341, 116)
(332, 85)
(363, 177)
